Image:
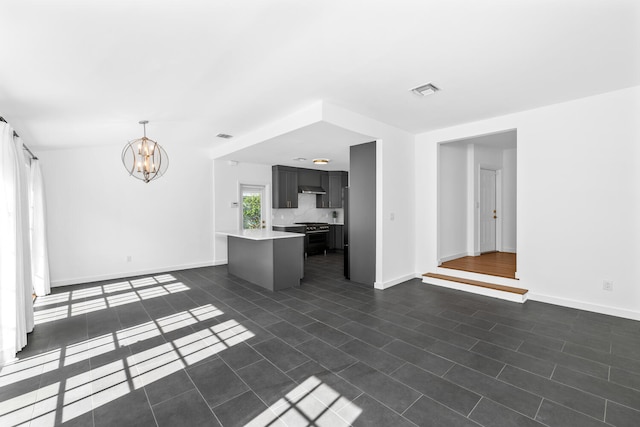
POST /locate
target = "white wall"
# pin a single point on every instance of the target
(509, 200)
(395, 183)
(98, 215)
(578, 205)
(226, 181)
(488, 157)
(453, 201)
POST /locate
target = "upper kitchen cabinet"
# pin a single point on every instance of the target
(285, 187)
(309, 177)
(322, 200)
(333, 182)
(337, 181)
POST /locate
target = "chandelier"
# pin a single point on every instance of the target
(144, 158)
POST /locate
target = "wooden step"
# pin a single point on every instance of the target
(475, 286)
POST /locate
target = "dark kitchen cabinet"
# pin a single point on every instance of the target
(285, 187)
(309, 177)
(333, 182)
(337, 181)
(336, 236)
(322, 200)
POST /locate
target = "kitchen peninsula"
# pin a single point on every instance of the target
(270, 259)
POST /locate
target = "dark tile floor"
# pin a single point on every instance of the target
(200, 347)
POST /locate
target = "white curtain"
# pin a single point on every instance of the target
(39, 252)
(16, 308)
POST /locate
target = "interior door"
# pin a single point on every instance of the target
(488, 213)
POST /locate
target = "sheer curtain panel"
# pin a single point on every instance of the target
(39, 252)
(25, 272)
(16, 309)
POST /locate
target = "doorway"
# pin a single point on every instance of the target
(500, 264)
(254, 209)
(477, 199)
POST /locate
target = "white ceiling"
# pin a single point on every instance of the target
(320, 140)
(78, 73)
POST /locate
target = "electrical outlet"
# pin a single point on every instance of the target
(607, 285)
(128, 258)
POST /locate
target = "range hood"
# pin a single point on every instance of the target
(310, 189)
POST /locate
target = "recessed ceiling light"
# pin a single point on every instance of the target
(224, 136)
(300, 159)
(424, 90)
(321, 161)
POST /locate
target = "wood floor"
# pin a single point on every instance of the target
(502, 264)
(493, 286)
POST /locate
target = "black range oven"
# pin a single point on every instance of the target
(316, 239)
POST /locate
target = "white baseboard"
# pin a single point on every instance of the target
(390, 283)
(507, 296)
(221, 262)
(581, 305)
(452, 257)
(97, 278)
(509, 250)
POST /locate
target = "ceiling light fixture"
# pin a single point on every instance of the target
(144, 158)
(224, 136)
(300, 159)
(424, 90)
(321, 161)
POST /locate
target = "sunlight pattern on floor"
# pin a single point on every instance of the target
(142, 289)
(88, 390)
(312, 403)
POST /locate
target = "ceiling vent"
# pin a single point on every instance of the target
(224, 136)
(424, 90)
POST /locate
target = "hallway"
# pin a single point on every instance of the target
(502, 264)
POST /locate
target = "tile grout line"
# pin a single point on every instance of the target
(503, 368)
(538, 410)
(390, 374)
(413, 403)
(475, 406)
(560, 404)
(249, 388)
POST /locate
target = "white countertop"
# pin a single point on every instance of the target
(259, 234)
(302, 225)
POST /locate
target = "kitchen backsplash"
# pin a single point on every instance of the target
(306, 212)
